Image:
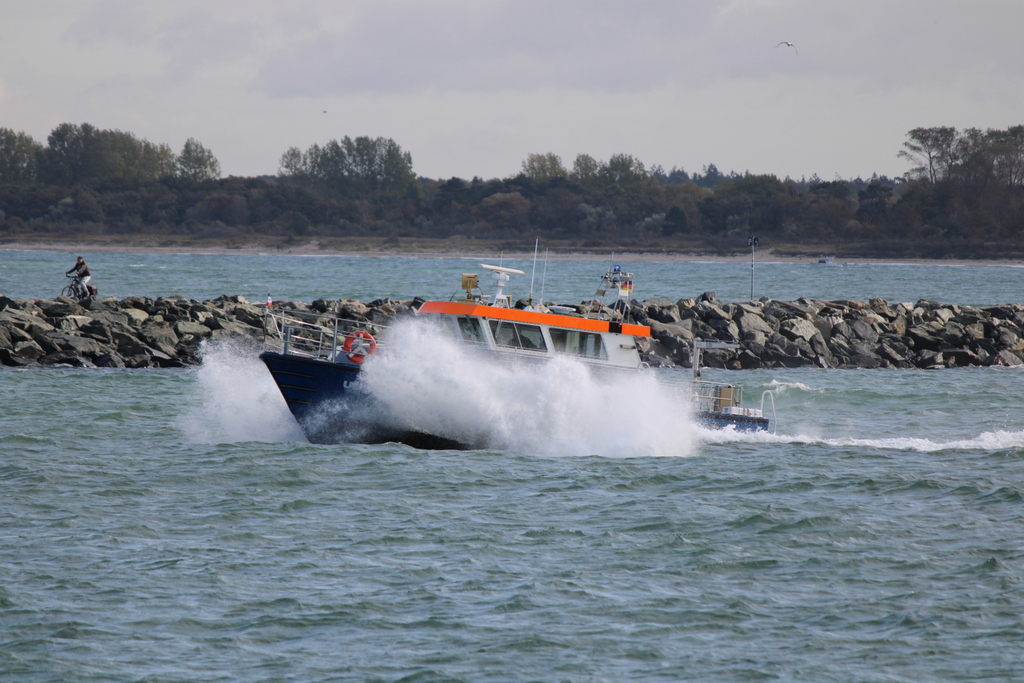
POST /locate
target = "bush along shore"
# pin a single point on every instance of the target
(138, 332)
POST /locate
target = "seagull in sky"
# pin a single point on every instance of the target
(789, 44)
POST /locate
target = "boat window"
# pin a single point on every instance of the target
(530, 337)
(504, 333)
(518, 335)
(470, 330)
(586, 344)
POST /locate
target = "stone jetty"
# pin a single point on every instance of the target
(138, 332)
(833, 334)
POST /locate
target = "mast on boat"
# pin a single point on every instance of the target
(698, 347)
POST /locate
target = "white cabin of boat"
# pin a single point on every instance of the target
(535, 332)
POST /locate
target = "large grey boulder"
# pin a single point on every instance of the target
(82, 346)
(708, 311)
(725, 330)
(676, 339)
(799, 328)
(864, 330)
(753, 339)
(750, 322)
(1005, 358)
(927, 336)
(698, 328)
(159, 337)
(61, 308)
(27, 350)
(353, 309)
(110, 360)
(669, 313)
(184, 327)
(66, 358)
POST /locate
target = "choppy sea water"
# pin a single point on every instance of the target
(26, 274)
(173, 525)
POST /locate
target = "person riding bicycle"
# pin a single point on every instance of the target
(81, 271)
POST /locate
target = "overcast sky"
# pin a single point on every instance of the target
(471, 87)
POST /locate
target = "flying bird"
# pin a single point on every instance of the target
(789, 44)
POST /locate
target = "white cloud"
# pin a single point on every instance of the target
(471, 87)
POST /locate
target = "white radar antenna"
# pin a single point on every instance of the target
(500, 280)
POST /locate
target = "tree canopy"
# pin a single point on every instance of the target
(19, 157)
(196, 163)
(963, 196)
(84, 154)
(353, 167)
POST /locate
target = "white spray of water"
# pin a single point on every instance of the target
(986, 441)
(426, 382)
(782, 388)
(236, 399)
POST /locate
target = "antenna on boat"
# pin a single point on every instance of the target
(533, 275)
(544, 277)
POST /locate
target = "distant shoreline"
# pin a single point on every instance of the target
(767, 256)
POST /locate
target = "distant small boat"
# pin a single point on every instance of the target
(828, 260)
(719, 404)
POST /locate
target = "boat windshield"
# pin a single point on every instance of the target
(587, 344)
(518, 335)
(470, 329)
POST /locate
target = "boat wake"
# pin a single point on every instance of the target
(999, 440)
(236, 399)
(782, 388)
(425, 382)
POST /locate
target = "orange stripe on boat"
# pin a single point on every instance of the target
(517, 315)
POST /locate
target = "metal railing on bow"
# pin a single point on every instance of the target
(316, 335)
(715, 397)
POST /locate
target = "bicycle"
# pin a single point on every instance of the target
(75, 289)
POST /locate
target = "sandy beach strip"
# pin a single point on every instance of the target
(314, 249)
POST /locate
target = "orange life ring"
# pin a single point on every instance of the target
(359, 345)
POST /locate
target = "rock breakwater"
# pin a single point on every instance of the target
(138, 332)
(834, 334)
(134, 332)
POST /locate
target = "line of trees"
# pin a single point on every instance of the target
(964, 196)
(969, 157)
(364, 167)
(85, 155)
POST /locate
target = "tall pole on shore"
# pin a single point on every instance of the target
(752, 241)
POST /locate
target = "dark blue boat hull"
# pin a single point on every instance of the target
(307, 383)
(741, 423)
(329, 406)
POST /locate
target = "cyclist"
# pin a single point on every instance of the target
(81, 271)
